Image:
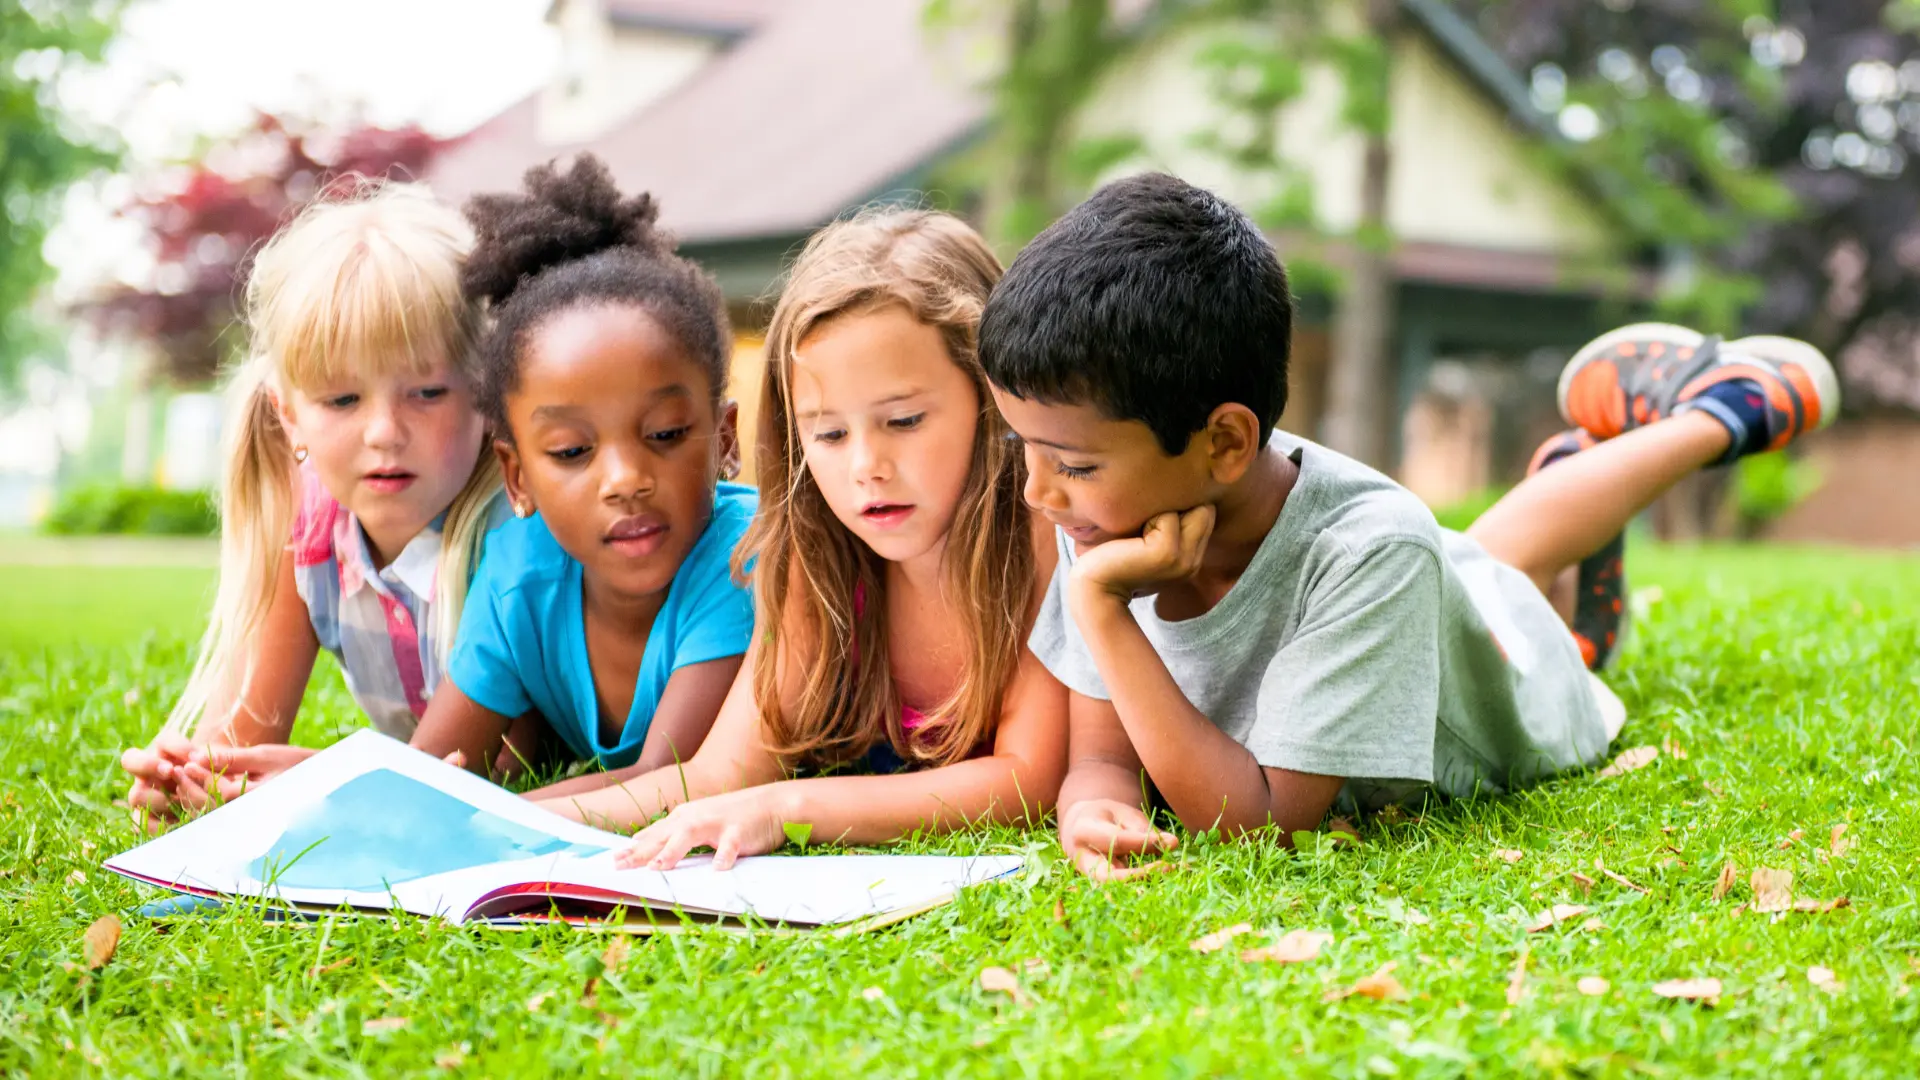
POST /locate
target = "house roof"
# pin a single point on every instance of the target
(818, 105)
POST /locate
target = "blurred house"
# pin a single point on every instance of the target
(754, 122)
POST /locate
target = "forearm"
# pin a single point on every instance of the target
(1002, 789)
(589, 781)
(1207, 778)
(1098, 778)
(636, 799)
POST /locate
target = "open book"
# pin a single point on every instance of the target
(373, 824)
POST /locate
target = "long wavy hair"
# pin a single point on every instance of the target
(808, 567)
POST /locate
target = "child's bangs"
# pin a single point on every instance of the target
(369, 288)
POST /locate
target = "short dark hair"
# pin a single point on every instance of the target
(1154, 301)
(571, 240)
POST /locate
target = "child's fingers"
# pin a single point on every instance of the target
(144, 798)
(1136, 870)
(148, 766)
(188, 793)
(646, 843)
(727, 851)
(176, 748)
(676, 847)
(1196, 525)
(457, 759)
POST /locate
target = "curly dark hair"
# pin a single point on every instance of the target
(571, 241)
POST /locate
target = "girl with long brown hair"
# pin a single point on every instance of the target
(896, 573)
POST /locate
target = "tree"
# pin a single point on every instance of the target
(41, 151)
(204, 220)
(1056, 54)
(1776, 141)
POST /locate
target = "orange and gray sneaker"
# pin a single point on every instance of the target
(1599, 607)
(1766, 391)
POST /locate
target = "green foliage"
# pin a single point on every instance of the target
(41, 151)
(108, 507)
(1786, 677)
(1766, 486)
(1457, 516)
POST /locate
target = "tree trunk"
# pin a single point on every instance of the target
(1363, 387)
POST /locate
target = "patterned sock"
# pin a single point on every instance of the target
(1741, 407)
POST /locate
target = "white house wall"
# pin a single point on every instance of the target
(1461, 174)
(608, 72)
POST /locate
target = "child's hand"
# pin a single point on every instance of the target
(1106, 837)
(229, 771)
(158, 781)
(1169, 549)
(735, 824)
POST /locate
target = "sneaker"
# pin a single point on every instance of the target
(1599, 606)
(1613, 383)
(1640, 374)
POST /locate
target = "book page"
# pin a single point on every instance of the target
(369, 822)
(803, 889)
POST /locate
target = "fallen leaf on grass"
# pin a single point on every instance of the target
(1059, 911)
(1618, 879)
(998, 980)
(1792, 838)
(1707, 990)
(450, 1058)
(1380, 986)
(1821, 907)
(615, 955)
(383, 1024)
(1593, 925)
(1772, 890)
(77, 878)
(1217, 940)
(1508, 855)
(1294, 947)
(98, 943)
(1825, 979)
(537, 1000)
(1582, 880)
(1672, 750)
(1729, 874)
(1592, 986)
(1342, 831)
(873, 993)
(1517, 982)
(1033, 965)
(1838, 844)
(316, 972)
(1637, 758)
(1558, 913)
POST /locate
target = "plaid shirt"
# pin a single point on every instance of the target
(377, 623)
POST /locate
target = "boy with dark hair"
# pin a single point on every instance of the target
(1267, 627)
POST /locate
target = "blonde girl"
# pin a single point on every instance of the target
(356, 491)
(896, 572)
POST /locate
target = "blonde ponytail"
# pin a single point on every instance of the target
(364, 280)
(256, 513)
(461, 537)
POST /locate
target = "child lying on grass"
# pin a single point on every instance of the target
(1266, 627)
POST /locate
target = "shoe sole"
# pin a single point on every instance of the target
(1607, 345)
(1785, 352)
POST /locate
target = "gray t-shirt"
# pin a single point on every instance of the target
(1367, 642)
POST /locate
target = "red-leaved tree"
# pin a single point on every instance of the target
(203, 222)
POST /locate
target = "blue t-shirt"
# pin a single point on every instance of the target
(523, 636)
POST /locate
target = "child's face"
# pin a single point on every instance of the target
(393, 449)
(886, 421)
(617, 441)
(1102, 479)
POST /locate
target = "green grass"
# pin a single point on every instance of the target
(1791, 680)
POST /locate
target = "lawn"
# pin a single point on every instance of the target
(1790, 682)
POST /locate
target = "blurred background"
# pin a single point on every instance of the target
(1464, 190)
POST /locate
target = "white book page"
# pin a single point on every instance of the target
(816, 889)
(368, 822)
